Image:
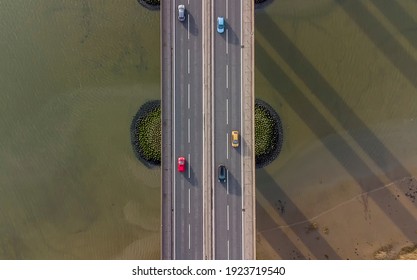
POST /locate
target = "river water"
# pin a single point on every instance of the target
(341, 74)
(73, 74)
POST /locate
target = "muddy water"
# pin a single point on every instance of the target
(342, 77)
(72, 76)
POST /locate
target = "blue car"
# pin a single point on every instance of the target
(220, 24)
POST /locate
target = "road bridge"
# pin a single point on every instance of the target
(207, 92)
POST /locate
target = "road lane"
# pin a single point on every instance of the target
(188, 199)
(181, 219)
(227, 108)
(196, 123)
(221, 94)
(235, 197)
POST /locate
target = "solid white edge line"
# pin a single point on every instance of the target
(241, 129)
(202, 104)
(173, 132)
(212, 135)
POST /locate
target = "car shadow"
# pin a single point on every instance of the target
(194, 30)
(190, 176)
(233, 38)
(234, 187)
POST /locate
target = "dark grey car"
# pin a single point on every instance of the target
(222, 173)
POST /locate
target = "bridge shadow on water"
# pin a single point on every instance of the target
(329, 97)
(319, 125)
(399, 17)
(381, 37)
(277, 239)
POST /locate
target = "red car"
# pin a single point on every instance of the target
(181, 164)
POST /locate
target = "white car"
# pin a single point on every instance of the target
(181, 12)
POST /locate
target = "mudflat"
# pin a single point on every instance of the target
(324, 211)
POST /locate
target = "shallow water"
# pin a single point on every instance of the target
(73, 75)
(342, 78)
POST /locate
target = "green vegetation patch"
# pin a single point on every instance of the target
(268, 134)
(264, 126)
(261, 3)
(150, 4)
(145, 132)
(150, 135)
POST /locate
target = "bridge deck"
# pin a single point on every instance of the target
(247, 133)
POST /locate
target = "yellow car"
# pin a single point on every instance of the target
(235, 138)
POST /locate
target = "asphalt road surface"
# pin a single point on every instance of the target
(187, 113)
(187, 110)
(227, 113)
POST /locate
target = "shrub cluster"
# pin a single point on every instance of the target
(268, 134)
(263, 131)
(261, 3)
(145, 133)
(151, 4)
